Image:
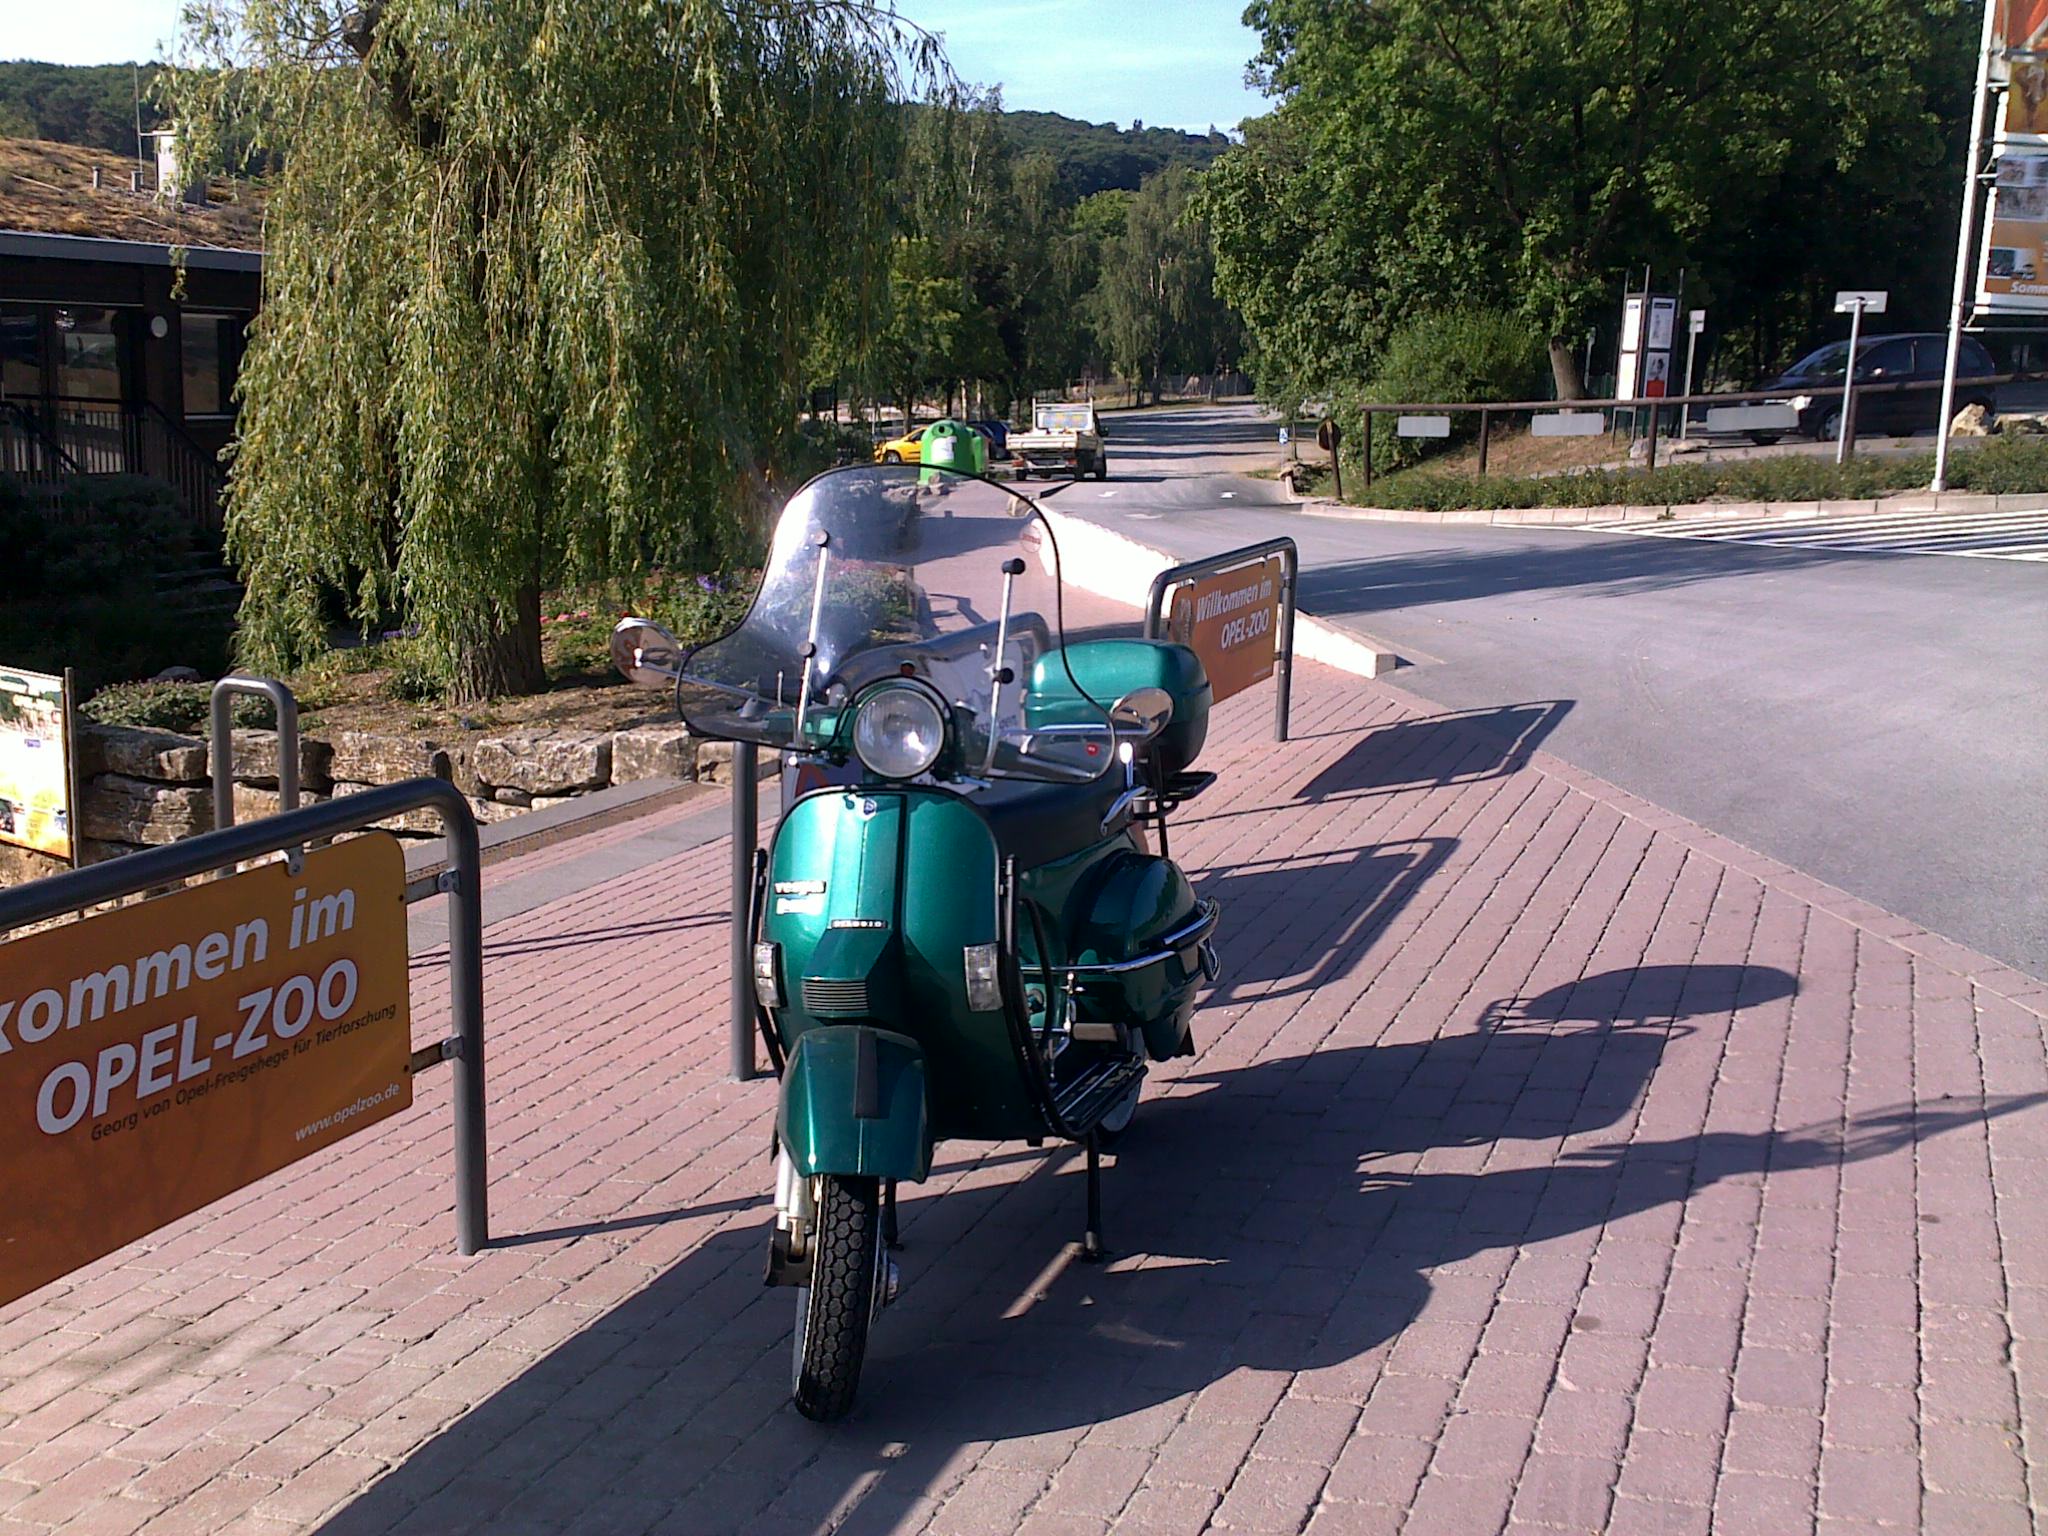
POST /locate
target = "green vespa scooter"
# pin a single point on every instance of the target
(959, 929)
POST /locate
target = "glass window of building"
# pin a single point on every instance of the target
(209, 347)
(21, 352)
(89, 353)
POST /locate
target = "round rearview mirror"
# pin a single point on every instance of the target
(645, 653)
(1142, 713)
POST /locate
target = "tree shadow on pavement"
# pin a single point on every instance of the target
(1293, 1216)
(1338, 906)
(1457, 747)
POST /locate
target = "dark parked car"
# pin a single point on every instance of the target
(1882, 360)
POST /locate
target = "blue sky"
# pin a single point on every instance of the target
(1174, 63)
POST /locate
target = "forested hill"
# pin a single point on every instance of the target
(92, 105)
(1096, 156)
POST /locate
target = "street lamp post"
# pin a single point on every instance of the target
(1966, 245)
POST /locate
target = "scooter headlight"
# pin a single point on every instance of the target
(898, 732)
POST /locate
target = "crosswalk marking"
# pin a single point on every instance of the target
(1978, 535)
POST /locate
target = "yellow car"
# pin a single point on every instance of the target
(900, 450)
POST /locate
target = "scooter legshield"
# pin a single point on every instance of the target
(853, 1104)
(876, 897)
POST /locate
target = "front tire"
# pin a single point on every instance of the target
(833, 1312)
(1101, 468)
(892, 457)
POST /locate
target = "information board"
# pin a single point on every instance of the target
(35, 762)
(156, 1057)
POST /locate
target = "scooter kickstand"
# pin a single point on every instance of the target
(890, 1238)
(1091, 1244)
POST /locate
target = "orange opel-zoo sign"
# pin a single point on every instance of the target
(1232, 622)
(156, 1057)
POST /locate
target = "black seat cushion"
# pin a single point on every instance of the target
(1038, 823)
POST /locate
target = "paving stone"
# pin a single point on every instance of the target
(1535, 1063)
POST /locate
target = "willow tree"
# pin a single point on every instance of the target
(538, 279)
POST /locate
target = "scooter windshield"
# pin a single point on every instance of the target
(900, 571)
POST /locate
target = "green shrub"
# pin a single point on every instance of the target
(87, 535)
(1452, 356)
(817, 446)
(2002, 465)
(172, 707)
(578, 623)
(78, 585)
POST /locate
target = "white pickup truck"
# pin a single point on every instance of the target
(1063, 440)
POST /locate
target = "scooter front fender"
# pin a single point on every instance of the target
(853, 1104)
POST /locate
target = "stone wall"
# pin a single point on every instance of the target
(142, 788)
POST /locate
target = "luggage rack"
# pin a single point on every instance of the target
(1169, 797)
(1158, 803)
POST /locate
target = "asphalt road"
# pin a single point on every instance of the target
(1878, 720)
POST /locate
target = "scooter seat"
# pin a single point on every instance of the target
(1038, 823)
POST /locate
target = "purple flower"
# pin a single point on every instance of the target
(708, 584)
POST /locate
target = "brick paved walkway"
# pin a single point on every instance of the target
(1550, 1163)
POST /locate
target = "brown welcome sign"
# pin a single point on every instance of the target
(157, 1057)
(1232, 621)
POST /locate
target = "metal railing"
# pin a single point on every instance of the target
(48, 440)
(28, 450)
(1655, 407)
(1216, 565)
(152, 868)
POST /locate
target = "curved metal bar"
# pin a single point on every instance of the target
(220, 743)
(1193, 932)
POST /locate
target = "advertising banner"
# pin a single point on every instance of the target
(156, 1057)
(1628, 360)
(1648, 325)
(2012, 262)
(1231, 621)
(35, 766)
(2020, 43)
(2013, 278)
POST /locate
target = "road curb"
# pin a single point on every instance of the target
(1113, 565)
(1956, 502)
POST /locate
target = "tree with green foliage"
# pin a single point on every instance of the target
(1451, 356)
(1525, 153)
(539, 280)
(1155, 303)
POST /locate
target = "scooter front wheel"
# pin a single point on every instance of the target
(833, 1312)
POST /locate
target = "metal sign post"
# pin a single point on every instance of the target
(746, 815)
(74, 802)
(1856, 304)
(1695, 322)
